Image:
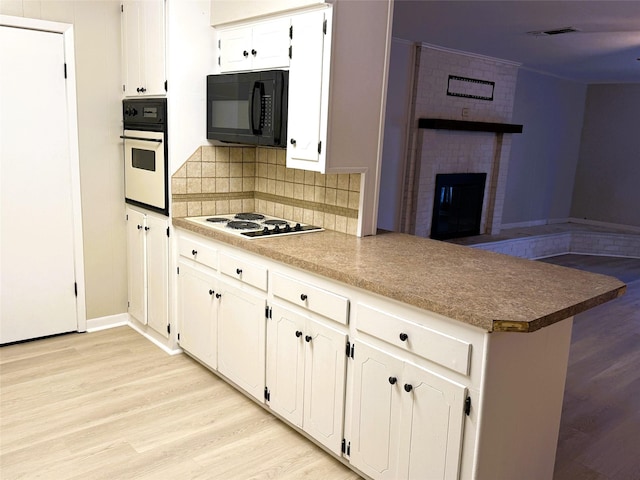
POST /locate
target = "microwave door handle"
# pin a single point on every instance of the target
(157, 140)
(255, 107)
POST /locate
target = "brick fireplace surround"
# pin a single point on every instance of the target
(445, 150)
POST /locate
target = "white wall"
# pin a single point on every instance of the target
(608, 175)
(97, 48)
(545, 156)
(395, 133)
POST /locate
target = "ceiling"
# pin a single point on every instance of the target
(606, 49)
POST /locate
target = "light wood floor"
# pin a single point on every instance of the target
(112, 405)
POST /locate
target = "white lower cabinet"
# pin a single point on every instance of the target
(306, 374)
(407, 422)
(148, 269)
(382, 386)
(198, 313)
(241, 338)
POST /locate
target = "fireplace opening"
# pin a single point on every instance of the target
(457, 205)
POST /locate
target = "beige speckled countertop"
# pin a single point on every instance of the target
(491, 291)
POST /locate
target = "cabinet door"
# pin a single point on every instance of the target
(234, 49)
(270, 44)
(241, 338)
(376, 412)
(324, 383)
(132, 46)
(432, 421)
(154, 73)
(136, 266)
(157, 274)
(143, 47)
(197, 313)
(308, 71)
(285, 363)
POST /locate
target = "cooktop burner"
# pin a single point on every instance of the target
(253, 225)
(249, 216)
(242, 225)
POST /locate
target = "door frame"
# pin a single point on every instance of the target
(74, 158)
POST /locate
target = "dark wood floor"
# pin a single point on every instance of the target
(600, 427)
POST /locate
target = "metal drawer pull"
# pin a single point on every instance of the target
(211, 292)
(239, 271)
(194, 252)
(404, 337)
(393, 380)
(157, 140)
(298, 333)
(408, 387)
(303, 297)
(308, 338)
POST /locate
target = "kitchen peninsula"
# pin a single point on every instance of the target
(470, 347)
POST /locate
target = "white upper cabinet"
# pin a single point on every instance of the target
(309, 90)
(143, 48)
(259, 46)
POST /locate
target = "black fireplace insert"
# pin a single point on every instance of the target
(457, 205)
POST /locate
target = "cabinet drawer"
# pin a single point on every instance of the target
(247, 272)
(199, 251)
(311, 298)
(430, 344)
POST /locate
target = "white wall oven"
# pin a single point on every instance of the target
(146, 154)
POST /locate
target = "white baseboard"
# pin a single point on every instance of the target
(121, 319)
(530, 223)
(596, 223)
(111, 321)
(154, 341)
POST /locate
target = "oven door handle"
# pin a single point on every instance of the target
(157, 140)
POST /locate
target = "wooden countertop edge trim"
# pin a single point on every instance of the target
(537, 324)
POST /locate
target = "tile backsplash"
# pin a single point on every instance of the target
(221, 180)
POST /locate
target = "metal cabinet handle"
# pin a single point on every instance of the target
(254, 52)
(139, 227)
(218, 295)
(194, 252)
(292, 141)
(126, 137)
(308, 338)
(393, 380)
(404, 337)
(408, 387)
(239, 271)
(211, 292)
(245, 54)
(303, 297)
(298, 333)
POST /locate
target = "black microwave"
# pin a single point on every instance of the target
(248, 107)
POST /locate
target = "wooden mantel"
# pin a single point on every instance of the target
(443, 124)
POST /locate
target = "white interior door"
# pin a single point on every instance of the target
(37, 232)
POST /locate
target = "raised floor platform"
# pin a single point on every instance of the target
(559, 238)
